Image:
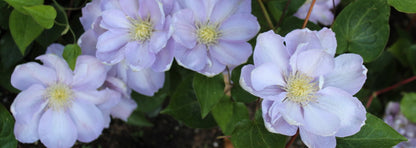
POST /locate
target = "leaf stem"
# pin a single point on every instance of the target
(292, 139)
(60, 8)
(266, 14)
(376, 93)
(309, 14)
(283, 13)
(227, 81)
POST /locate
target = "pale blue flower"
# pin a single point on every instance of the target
(321, 12)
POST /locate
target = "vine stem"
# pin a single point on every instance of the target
(283, 13)
(376, 93)
(309, 14)
(60, 8)
(266, 14)
(292, 139)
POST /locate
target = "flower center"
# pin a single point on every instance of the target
(207, 35)
(300, 88)
(141, 30)
(59, 96)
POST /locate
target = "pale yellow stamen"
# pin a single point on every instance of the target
(141, 30)
(207, 35)
(59, 96)
(300, 88)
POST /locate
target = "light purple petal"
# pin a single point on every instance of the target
(349, 73)
(232, 29)
(31, 73)
(296, 37)
(184, 28)
(245, 7)
(111, 99)
(124, 109)
(118, 85)
(138, 55)
(266, 75)
(270, 48)
(246, 84)
(291, 112)
(164, 57)
(154, 10)
(197, 7)
(212, 68)
(349, 110)
(88, 120)
(56, 129)
(316, 141)
(63, 72)
(315, 63)
(145, 81)
(158, 40)
(89, 13)
(224, 9)
(319, 121)
(194, 59)
(90, 73)
(328, 40)
(92, 96)
(27, 109)
(276, 123)
(110, 44)
(231, 53)
(115, 19)
(322, 14)
(56, 49)
(88, 42)
(130, 7)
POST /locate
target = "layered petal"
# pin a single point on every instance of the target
(32, 73)
(266, 75)
(291, 112)
(328, 40)
(145, 81)
(88, 42)
(55, 48)
(109, 46)
(130, 8)
(90, 73)
(247, 84)
(315, 63)
(93, 96)
(138, 55)
(349, 110)
(124, 109)
(89, 13)
(165, 57)
(319, 121)
(276, 123)
(224, 9)
(232, 29)
(194, 59)
(231, 53)
(87, 119)
(296, 37)
(158, 40)
(315, 141)
(63, 72)
(115, 19)
(212, 68)
(270, 48)
(185, 31)
(56, 129)
(152, 10)
(349, 73)
(197, 7)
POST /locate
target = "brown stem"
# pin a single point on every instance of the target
(283, 14)
(292, 139)
(266, 15)
(309, 14)
(375, 94)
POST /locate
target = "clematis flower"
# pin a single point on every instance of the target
(305, 88)
(321, 11)
(146, 81)
(58, 105)
(395, 118)
(136, 31)
(213, 34)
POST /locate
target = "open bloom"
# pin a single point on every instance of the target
(395, 118)
(138, 32)
(58, 105)
(321, 12)
(213, 34)
(305, 88)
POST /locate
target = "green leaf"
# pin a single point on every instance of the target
(137, 118)
(250, 134)
(238, 93)
(375, 133)
(208, 91)
(398, 50)
(406, 6)
(291, 23)
(411, 59)
(50, 36)
(149, 105)
(42, 14)
(276, 8)
(407, 106)
(184, 107)
(19, 4)
(227, 114)
(24, 29)
(363, 28)
(7, 139)
(71, 53)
